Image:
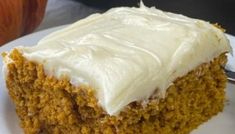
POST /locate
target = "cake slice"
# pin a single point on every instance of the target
(128, 70)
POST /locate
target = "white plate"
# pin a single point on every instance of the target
(223, 123)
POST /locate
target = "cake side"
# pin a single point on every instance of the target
(46, 104)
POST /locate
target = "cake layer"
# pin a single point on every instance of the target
(127, 54)
(51, 106)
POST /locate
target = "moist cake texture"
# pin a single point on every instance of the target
(46, 104)
(129, 70)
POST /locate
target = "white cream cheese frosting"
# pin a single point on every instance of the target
(126, 54)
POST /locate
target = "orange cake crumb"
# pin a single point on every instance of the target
(45, 104)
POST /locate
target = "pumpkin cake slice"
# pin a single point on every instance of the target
(128, 70)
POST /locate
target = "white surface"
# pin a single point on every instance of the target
(117, 53)
(231, 57)
(224, 123)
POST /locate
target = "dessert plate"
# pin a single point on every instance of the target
(9, 123)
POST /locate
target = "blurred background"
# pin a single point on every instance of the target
(220, 11)
(61, 12)
(214, 11)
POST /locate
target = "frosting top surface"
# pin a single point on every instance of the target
(127, 54)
